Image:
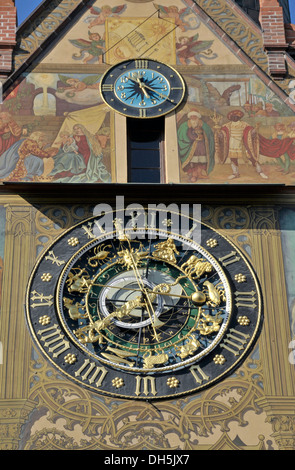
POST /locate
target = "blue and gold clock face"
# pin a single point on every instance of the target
(143, 312)
(142, 88)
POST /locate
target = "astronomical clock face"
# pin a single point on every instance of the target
(143, 312)
(142, 88)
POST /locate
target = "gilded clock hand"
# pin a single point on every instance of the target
(141, 85)
(195, 297)
(143, 88)
(165, 97)
(130, 305)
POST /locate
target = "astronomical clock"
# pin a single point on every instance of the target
(142, 312)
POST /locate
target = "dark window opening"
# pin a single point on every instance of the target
(145, 150)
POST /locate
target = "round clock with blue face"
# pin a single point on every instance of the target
(142, 88)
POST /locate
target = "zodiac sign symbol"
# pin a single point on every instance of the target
(215, 295)
(131, 258)
(76, 282)
(165, 251)
(100, 254)
(209, 324)
(150, 360)
(73, 309)
(188, 348)
(196, 267)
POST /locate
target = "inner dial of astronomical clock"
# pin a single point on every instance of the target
(153, 304)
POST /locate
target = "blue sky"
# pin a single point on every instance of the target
(25, 7)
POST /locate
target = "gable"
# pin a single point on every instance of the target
(57, 99)
(120, 31)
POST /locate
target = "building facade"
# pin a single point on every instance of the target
(252, 7)
(147, 227)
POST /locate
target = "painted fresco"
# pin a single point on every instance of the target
(118, 31)
(54, 128)
(231, 128)
(235, 129)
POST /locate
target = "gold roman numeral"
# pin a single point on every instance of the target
(107, 87)
(90, 371)
(230, 258)
(149, 386)
(199, 375)
(40, 300)
(141, 64)
(54, 341)
(245, 299)
(235, 341)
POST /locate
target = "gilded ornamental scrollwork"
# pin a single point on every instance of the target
(107, 424)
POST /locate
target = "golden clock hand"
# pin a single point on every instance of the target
(143, 88)
(141, 85)
(149, 305)
(127, 308)
(195, 297)
(158, 92)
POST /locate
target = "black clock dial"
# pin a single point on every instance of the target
(143, 314)
(142, 88)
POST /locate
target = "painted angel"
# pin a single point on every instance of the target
(99, 15)
(94, 48)
(184, 18)
(190, 49)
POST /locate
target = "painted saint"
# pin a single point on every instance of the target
(196, 147)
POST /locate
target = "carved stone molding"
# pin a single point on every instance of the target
(281, 415)
(13, 414)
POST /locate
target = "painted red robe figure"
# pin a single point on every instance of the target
(10, 131)
(238, 140)
(82, 143)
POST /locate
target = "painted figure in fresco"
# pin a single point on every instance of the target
(75, 85)
(238, 140)
(267, 111)
(280, 132)
(27, 159)
(99, 15)
(196, 147)
(68, 161)
(190, 49)
(10, 131)
(179, 16)
(94, 48)
(79, 158)
(84, 91)
(279, 146)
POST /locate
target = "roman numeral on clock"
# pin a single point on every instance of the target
(199, 375)
(90, 371)
(245, 299)
(41, 300)
(149, 386)
(107, 87)
(54, 340)
(235, 341)
(141, 64)
(230, 258)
